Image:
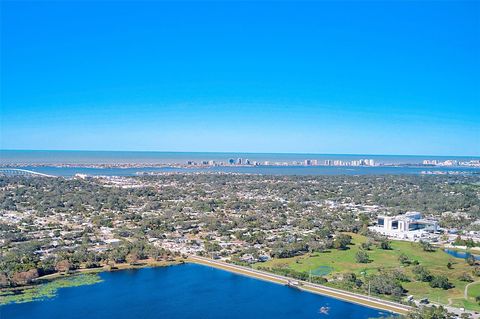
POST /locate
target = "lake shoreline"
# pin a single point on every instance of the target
(51, 278)
(188, 291)
(374, 303)
(343, 295)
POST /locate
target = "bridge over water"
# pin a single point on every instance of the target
(21, 172)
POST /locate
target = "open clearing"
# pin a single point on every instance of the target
(343, 261)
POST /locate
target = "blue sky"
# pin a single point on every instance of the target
(319, 77)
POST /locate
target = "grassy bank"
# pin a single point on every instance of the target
(344, 261)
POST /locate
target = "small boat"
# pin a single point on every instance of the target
(324, 310)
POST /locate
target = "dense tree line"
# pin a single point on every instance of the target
(22, 265)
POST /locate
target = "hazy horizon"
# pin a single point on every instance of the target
(234, 152)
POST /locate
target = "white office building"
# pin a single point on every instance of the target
(409, 226)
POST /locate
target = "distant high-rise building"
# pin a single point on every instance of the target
(450, 163)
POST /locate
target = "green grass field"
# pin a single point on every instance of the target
(343, 261)
(474, 290)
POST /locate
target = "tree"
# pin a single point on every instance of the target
(476, 271)
(316, 246)
(155, 252)
(470, 243)
(212, 246)
(432, 312)
(422, 274)
(24, 277)
(4, 282)
(426, 246)
(398, 274)
(118, 254)
(132, 258)
(459, 241)
(470, 259)
(465, 277)
(342, 241)
(63, 266)
(386, 284)
(366, 245)
(47, 265)
(440, 282)
(403, 259)
(351, 280)
(362, 257)
(385, 244)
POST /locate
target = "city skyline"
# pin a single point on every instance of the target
(325, 78)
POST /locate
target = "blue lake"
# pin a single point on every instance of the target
(460, 254)
(187, 291)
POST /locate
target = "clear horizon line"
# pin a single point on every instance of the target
(233, 152)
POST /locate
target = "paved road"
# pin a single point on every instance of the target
(316, 288)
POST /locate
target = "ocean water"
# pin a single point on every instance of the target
(186, 291)
(115, 157)
(49, 162)
(263, 170)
